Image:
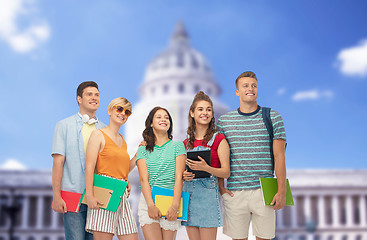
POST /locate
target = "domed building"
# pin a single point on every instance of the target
(171, 81)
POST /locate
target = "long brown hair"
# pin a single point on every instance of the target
(191, 130)
(148, 133)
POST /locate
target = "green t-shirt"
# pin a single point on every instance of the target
(161, 162)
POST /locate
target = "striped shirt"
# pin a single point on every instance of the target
(249, 143)
(161, 163)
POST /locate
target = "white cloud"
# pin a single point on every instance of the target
(353, 60)
(12, 164)
(22, 39)
(281, 91)
(312, 95)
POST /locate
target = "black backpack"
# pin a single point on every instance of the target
(269, 127)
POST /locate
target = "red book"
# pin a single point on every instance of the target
(72, 200)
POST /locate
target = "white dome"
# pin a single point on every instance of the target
(178, 64)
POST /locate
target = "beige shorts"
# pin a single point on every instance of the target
(241, 208)
(145, 219)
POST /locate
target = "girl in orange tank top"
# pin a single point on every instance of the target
(107, 154)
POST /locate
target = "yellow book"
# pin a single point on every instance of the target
(165, 202)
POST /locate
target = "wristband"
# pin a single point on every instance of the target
(176, 210)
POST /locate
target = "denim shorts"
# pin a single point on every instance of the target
(204, 206)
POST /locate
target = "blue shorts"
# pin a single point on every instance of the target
(204, 206)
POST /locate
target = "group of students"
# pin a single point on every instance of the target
(240, 152)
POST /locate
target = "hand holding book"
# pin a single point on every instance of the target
(200, 165)
(278, 201)
(93, 202)
(154, 212)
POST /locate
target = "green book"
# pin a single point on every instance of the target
(117, 186)
(269, 187)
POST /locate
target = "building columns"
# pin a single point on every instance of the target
(40, 203)
(307, 208)
(321, 211)
(349, 210)
(362, 210)
(54, 219)
(25, 213)
(280, 218)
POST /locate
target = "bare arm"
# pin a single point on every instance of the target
(133, 160)
(280, 172)
(93, 148)
(153, 211)
(180, 168)
(58, 204)
(132, 163)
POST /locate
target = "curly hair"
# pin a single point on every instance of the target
(191, 130)
(148, 133)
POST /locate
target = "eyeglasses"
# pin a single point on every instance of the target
(120, 109)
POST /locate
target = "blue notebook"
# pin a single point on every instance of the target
(163, 197)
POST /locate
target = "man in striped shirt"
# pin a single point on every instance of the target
(250, 159)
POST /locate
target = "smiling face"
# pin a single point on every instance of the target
(203, 113)
(247, 90)
(160, 121)
(119, 114)
(89, 102)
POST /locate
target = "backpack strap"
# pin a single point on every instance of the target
(211, 141)
(269, 127)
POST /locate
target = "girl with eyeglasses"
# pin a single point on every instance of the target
(204, 208)
(160, 163)
(107, 155)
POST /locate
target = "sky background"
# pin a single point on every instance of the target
(310, 58)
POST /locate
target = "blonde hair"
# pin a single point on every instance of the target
(123, 102)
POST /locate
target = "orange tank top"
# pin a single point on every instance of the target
(113, 160)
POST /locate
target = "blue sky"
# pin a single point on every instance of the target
(310, 58)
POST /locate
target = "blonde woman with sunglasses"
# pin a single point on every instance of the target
(107, 155)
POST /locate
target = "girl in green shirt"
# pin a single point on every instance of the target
(160, 163)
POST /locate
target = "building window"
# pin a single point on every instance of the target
(343, 212)
(47, 212)
(32, 217)
(287, 221)
(165, 88)
(357, 217)
(60, 221)
(328, 210)
(196, 88)
(209, 91)
(180, 62)
(3, 215)
(181, 88)
(194, 62)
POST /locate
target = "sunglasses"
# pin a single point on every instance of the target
(120, 109)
